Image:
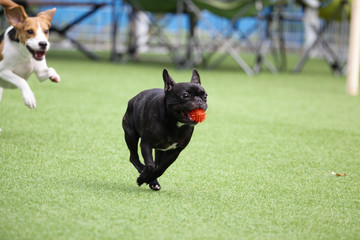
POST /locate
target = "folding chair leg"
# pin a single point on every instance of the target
(305, 55)
(88, 53)
(80, 46)
(261, 58)
(332, 58)
(302, 60)
(64, 30)
(329, 54)
(220, 38)
(279, 58)
(115, 23)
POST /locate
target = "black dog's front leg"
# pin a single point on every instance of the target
(163, 160)
(149, 168)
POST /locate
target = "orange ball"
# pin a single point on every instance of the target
(197, 115)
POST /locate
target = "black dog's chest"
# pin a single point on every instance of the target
(170, 139)
(170, 147)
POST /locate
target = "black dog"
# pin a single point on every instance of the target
(160, 118)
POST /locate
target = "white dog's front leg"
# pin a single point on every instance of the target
(20, 83)
(53, 75)
(43, 72)
(1, 92)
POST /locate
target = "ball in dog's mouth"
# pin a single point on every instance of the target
(38, 55)
(197, 115)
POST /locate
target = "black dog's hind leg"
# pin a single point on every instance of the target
(132, 143)
(132, 140)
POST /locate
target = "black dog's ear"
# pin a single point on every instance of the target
(195, 77)
(168, 81)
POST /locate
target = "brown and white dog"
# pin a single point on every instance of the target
(22, 50)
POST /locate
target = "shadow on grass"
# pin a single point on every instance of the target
(112, 187)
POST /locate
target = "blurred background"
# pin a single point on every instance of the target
(258, 34)
(271, 35)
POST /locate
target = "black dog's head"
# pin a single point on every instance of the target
(181, 98)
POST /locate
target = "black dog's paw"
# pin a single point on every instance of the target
(139, 181)
(155, 185)
(145, 175)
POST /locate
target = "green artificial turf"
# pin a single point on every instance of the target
(259, 166)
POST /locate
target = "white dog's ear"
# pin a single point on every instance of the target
(16, 16)
(47, 15)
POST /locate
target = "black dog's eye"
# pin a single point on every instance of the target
(185, 95)
(30, 32)
(205, 96)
